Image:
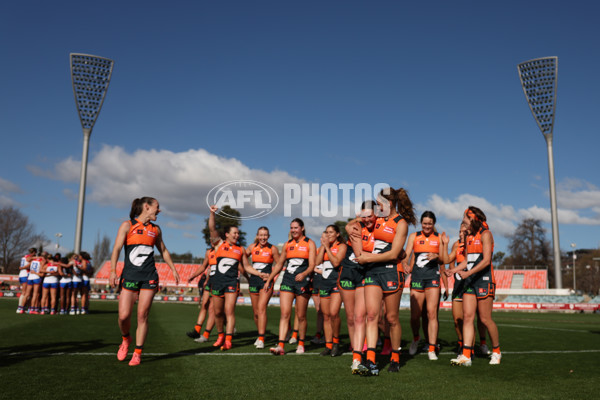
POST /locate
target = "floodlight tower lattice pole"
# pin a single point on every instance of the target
(538, 79)
(90, 76)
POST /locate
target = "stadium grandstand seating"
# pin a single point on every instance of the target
(503, 278)
(595, 300)
(543, 299)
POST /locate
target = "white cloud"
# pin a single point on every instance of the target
(6, 201)
(180, 181)
(189, 235)
(575, 194)
(502, 218)
(7, 188)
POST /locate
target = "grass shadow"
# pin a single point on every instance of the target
(16, 354)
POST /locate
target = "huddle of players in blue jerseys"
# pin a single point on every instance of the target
(51, 284)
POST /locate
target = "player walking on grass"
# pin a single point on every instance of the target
(384, 278)
(479, 286)
(139, 279)
(300, 253)
(231, 260)
(205, 271)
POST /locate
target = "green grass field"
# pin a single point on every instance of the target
(548, 355)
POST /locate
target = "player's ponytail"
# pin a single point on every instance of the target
(405, 207)
(401, 203)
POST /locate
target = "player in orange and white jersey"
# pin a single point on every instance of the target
(300, 253)
(330, 255)
(139, 279)
(352, 277)
(205, 271)
(425, 265)
(263, 255)
(384, 279)
(479, 286)
(231, 260)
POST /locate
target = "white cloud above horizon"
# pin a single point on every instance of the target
(7, 188)
(182, 180)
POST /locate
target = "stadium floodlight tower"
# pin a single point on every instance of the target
(538, 78)
(90, 76)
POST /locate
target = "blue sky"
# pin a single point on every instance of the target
(423, 95)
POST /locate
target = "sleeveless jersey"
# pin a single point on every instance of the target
(329, 271)
(460, 257)
(212, 262)
(262, 257)
(368, 244)
(474, 249)
(297, 253)
(422, 246)
(228, 260)
(35, 267)
(23, 272)
(87, 271)
(50, 268)
(384, 232)
(139, 252)
(66, 274)
(77, 272)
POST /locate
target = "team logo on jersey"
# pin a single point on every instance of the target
(139, 231)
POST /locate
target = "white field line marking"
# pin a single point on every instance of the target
(537, 327)
(269, 354)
